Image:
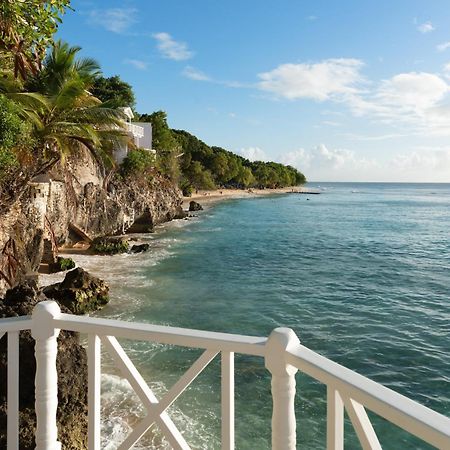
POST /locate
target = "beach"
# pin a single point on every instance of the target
(205, 197)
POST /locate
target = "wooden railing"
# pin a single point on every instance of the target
(284, 356)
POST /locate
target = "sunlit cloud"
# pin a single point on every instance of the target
(136, 63)
(253, 154)
(172, 49)
(426, 27)
(117, 20)
(442, 47)
(320, 81)
(195, 74)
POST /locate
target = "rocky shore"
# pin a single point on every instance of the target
(78, 202)
(79, 293)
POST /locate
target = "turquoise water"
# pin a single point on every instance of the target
(360, 272)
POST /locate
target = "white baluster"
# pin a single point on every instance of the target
(283, 388)
(94, 391)
(335, 420)
(227, 401)
(46, 382)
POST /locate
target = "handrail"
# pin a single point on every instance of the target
(15, 324)
(184, 337)
(283, 355)
(413, 417)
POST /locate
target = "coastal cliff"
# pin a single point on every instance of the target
(79, 200)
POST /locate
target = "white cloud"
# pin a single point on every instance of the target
(416, 99)
(442, 47)
(136, 63)
(422, 165)
(172, 49)
(426, 27)
(117, 20)
(318, 81)
(195, 74)
(323, 163)
(312, 18)
(253, 154)
(446, 70)
(413, 91)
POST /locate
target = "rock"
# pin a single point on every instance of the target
(194, 206)
(139, 248)
(61, 265)
(72, 392)
(110, 245)
(80, 292)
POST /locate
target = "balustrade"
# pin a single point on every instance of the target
(283, 354)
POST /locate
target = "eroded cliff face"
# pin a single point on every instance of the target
(76, 198)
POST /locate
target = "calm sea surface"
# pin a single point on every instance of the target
(360, 272)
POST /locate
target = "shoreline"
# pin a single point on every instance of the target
(212, 196)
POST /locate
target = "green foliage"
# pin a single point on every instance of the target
(62, 264)
(166, 145)
(137, 161)
(107, 246)
(27, 29)
(186, 189)
(61, 110)
(12, 127)
(8, 162)
(199, 177)
(162, 136)
(206, 167)
(14, 136)
(65, 263)
(114, 91)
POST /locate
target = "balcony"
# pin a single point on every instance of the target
(283, 355)
(135, 130)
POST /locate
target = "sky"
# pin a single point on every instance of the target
(348, 90)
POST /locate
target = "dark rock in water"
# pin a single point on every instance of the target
(110, 245)
(61, 265)
(194, 206)
(139, 248)
(72, 377)
(80, 292)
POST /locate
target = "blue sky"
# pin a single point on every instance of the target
(344, 90)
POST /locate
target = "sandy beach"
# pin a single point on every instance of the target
(205, 197)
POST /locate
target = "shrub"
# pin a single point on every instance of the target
(62, 264)
(137, 161)
(110, 246)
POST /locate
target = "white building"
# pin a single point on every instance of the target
(139, 132)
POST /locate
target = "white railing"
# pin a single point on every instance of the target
(284, 356)
(136, 130)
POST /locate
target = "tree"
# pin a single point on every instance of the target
(166, 145)
(162, 136)
(27, 29)
(114, 91)
(62, 113)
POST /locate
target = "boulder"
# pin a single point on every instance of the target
(110, 245)
(61, 265)
(72, 392)
(194, 206)
(80, 292)
(139, 248)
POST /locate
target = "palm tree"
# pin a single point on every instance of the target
(62, 112)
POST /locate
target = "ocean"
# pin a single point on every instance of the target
(360, 273)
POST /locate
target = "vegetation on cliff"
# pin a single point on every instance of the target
(196, 165)
(54, 108)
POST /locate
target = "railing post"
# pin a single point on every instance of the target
(46, 381)
(283, 388)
